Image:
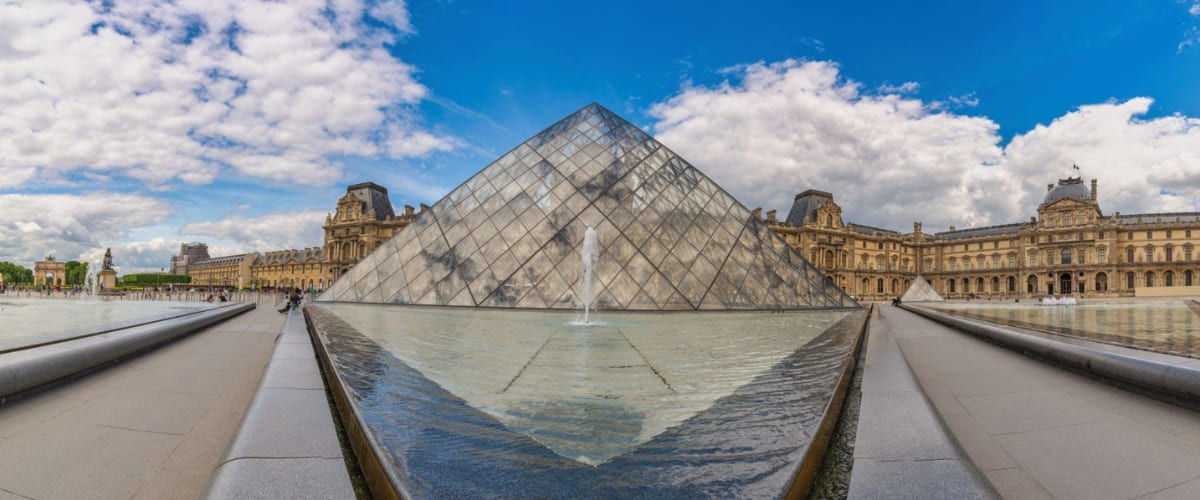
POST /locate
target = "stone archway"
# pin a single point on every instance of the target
(1064, 283)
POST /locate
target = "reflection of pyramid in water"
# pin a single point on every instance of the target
(921, 291)
(670, 238)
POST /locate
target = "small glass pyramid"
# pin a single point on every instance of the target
(669, 237)
(921, 291)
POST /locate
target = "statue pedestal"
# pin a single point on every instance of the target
(107, 279)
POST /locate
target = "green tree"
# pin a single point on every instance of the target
(15, 274)
(76, 272)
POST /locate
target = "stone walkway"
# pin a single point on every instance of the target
(153, 426)
(1037, 431)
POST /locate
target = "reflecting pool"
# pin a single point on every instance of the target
(1161, 325)
(497, 402)
(31, 321)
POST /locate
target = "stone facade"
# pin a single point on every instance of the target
(49, 272)
(1070, 248)
(362, 221)
(227, 271)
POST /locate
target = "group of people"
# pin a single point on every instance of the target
(293, 301)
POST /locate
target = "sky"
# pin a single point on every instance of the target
(138, 125)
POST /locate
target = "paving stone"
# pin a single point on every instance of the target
(289, 423)
(1106, 459)
(928, 480)
(292, 478)
(1016, 483)
(26, 413)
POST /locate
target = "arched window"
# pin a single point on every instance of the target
(879, 283)
(829, 220)
(1031, 284)
(1169, 278)
(1170, 253)
(1101, 282)
(979, 285)
(966, 285)
(1149, 279)
(1129, 255)
(995, 285)
(865, 286)
(950, 283)
(1012, 284)
(1129, 281)
(895, 285)
(1187, 278)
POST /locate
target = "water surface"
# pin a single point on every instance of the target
(469, 400)
(1166, 326)
(31, 321)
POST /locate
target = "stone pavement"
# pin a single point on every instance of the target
(153, 426)
(1037, 431)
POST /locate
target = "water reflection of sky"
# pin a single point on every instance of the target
(28, 321)
(1163, 326)
(695, 398)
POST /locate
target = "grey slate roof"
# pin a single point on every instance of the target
(974, 232)
(806, 203)
(1071, 187)
(873, 231)
(1167, 217)
(375, 197)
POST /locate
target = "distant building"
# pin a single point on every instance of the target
(49, 272)
(188, 252)
(1070, 248)
(362, 221)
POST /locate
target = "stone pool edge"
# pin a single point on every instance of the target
(28, 370)
(1175, 383)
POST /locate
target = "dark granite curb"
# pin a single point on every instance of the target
(27, 370)
(286, 445)
(815, 455)
(902, 449)
(1176, 382)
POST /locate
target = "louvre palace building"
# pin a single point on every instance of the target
(1070, 248)
(363, 220)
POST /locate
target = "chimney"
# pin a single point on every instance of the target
(1033, 220)
(1093, 189)
(1049, 187)
(424, 207)
(916, 227)
(951, 228)
(408, 210)
(771, 215)
(757, 213)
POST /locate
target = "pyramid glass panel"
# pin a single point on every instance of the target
(533, 205)
(709, 360)
(921, 291)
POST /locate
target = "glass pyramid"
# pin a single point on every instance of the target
(669, 237)
(921, 291)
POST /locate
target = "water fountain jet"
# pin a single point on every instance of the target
(589, 263)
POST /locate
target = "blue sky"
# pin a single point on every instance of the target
(137, 125)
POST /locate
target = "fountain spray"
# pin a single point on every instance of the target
(589, 264)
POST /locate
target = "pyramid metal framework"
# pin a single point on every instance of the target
(921, 291)
(510, 236)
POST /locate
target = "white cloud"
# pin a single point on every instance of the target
(177, 91)
(267, 232)
(137, 257)
(1194, 9)
(70, 226)
(789, 126)
(785, 127)
(1142, 165)
(903, 88)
